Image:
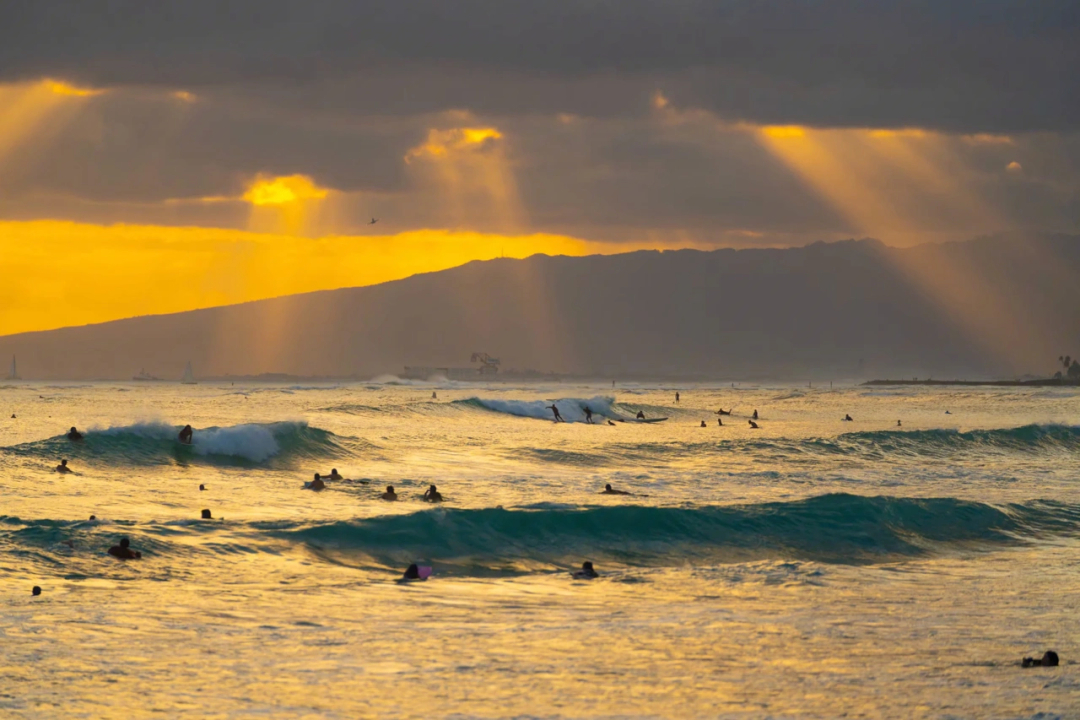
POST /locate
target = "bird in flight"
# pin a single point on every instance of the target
(373, 221)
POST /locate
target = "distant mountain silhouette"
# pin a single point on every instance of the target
(992, 306)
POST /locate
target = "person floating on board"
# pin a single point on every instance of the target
(335, 475)
(1049, 659)
(389, 494)
(552, 408)
(588, 415)
(62, 467)
(432, 494)
(847, 418)
(720, 422)
(640, 414)
(186, 435)
(722, 411)
(608, 490)
(753, 425)
(74, 434)
(898, 424)
(124, 551)
(317, 483)
(415, 572)
(755, 414)
(703, 422)
(434, 395)
(586, 572)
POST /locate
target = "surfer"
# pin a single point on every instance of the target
(898, 424)
(676, 396)
(62, 467)
(389, 494)
(608, 490)
(611, 423)
(124, 551)
(640, 415)
(586, 572)
(335, 475)
(185, 435)
(74, 434)
(703, 422)
(552, 408)
(722, 411)
(206, 514)
(317, 483)
(415, 572)
(588, 415)
(753, 425)
(755, 414)
(432, 494)
(1049, 659)
(434, 395)
(847, 418)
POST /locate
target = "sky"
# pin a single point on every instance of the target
(160, 157)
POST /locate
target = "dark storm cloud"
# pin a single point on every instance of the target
(958, 65)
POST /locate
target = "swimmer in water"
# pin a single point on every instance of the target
(753, 425)
(432, 495)
(588, 415)
(74, 434)
(334, 475)
(434, 395)
(586, 572)
(185, 435)
(720, 422)
(552, 408)
(608, 490)
(389, 494)
(703, 422)
(755, 414)
(847, 418)
(317, 483)
(640, 415)
(124, 551)
(1049, 659)
(62, 467)
(722, 411)
(611, 423)
(898, 424)
(676, 396)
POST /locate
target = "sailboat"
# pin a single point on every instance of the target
(14, 374)
(189, 376)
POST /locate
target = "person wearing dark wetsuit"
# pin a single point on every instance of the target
(640, 414)
(608, 490)
(702, 423)
(432, 495)
(186, 434)
(74, 434)
(317, 483)
(558, 417)
(720, 422)
(389, 494)
(586, 572)
(755, 414)
(847, 418)
(124, 551)
(588, 415)
(334, 474)
(753, 425)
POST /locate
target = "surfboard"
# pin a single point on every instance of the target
(639, 420)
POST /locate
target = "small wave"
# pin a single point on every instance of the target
(571, 409)
(835, 528)
(156, 443)
(1027, 438)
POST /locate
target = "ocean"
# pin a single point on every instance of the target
(810, 568)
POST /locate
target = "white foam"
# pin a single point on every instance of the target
(254, 442)
(571, 409)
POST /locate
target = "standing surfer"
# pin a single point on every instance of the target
(552, 408)
(186, 434)
(588, 415)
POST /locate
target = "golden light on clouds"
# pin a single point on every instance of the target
(467, 171)
(286, 204)
(265, 190)
(783, 131)
(62, 88)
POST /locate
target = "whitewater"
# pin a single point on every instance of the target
(896, 566)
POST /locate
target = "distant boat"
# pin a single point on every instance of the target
(189, 376)
(144, 376)
(14, 374)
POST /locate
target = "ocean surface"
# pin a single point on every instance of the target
(812, 568)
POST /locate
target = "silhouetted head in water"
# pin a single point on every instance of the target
(1049, 659)
(389, 494)
(36, 591)
(586, 572)
(702, 423)
(93, 517)
(124, 551)
(74, 434)
(202, 487)
(206, 515)
(334, 474)
(608, 487)
(432, 494)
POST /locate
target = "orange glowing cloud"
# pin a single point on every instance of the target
(283, 190)
(62, 88)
